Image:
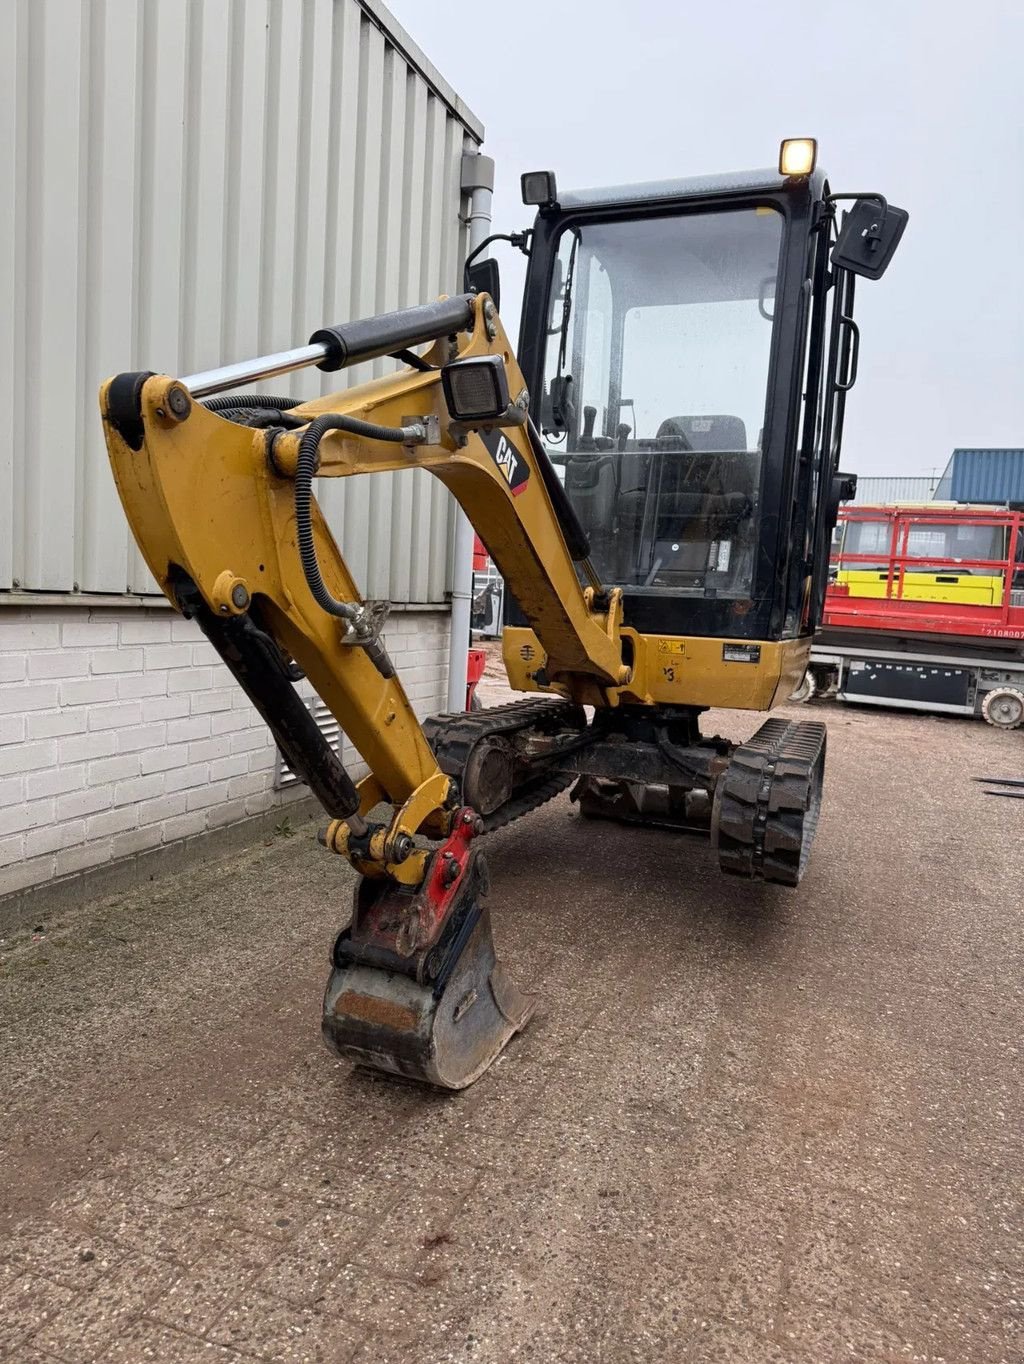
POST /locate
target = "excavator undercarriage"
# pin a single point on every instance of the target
(759, 800)
(652, 576)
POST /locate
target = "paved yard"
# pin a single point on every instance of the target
(746, 1125)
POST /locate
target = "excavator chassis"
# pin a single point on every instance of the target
(758, 801)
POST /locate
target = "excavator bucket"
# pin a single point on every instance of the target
(440, 1014)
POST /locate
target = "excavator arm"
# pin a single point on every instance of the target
(222, 511)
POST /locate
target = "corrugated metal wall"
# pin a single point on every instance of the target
(989, 476)
(873, 492)
(188, 182)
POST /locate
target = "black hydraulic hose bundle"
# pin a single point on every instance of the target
(309, 446)
(256, 410)
(227, 401)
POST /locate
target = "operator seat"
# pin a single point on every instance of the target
(705, 474)
(703, 433)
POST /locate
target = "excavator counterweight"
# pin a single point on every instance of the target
(656, 478)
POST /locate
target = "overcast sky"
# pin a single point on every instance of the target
(920, 99)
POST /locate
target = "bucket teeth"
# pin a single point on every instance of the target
(444, 1030)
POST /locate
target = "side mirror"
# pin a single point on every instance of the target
(483, 277)
(869, 237)
(844, 486)
(844, 489)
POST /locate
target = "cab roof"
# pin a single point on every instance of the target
(689, 187)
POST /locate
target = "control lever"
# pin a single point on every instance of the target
(623, 435)
(586, 441)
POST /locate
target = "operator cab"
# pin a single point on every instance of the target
(688, 345)
(663, 332)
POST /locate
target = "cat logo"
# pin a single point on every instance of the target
(511, 464)
(505, 458)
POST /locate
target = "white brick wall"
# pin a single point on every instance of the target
(121, 731)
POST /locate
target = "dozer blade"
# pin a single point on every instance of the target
(440, 1015)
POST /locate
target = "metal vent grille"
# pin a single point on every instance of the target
(328, 727)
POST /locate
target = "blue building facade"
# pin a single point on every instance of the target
(985, 476)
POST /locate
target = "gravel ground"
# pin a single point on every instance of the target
(745, 1125)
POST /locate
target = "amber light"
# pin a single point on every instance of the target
(797, 156)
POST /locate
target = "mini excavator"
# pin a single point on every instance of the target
(656, 477)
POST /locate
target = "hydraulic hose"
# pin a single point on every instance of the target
(229, 400)
(309, 446)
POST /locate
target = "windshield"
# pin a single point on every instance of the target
(659, 343)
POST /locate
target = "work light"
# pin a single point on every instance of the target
(539, 188)
(797, 156)
(475, 389)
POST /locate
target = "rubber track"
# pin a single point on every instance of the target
(769, 800)
(453, 736)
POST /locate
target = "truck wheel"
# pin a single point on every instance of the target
(807, 688)
(1004, 707)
